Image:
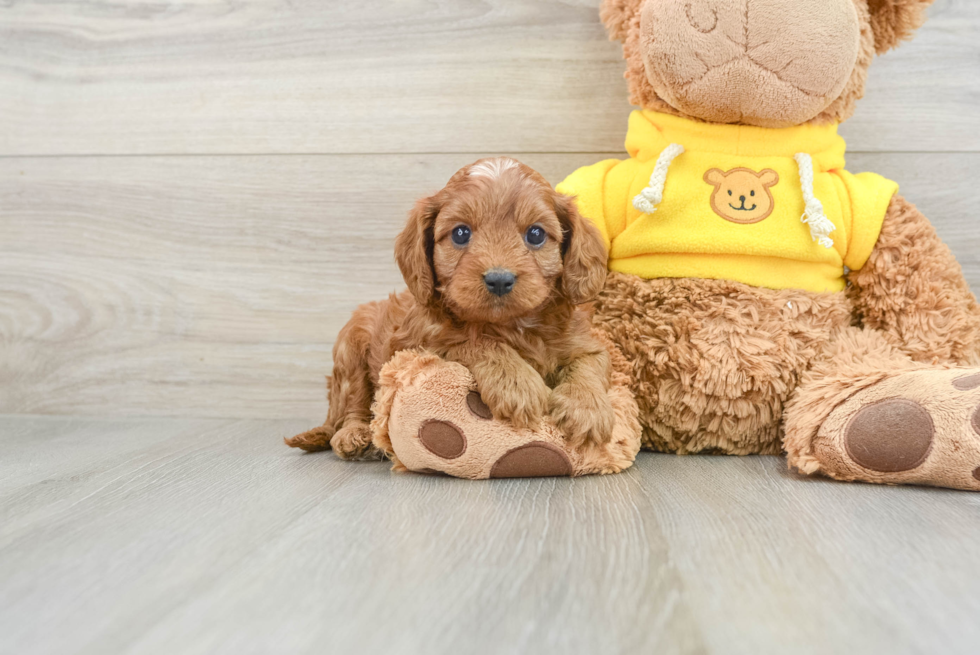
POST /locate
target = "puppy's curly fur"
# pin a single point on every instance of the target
(529, 348)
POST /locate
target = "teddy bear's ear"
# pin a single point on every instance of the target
(714, 177)
(768, 177)
(617, 15)
(894, 21)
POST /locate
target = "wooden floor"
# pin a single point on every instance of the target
(193, 198)
(208, 536)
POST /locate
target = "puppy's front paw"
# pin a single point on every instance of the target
(521, 399)
(353, 441)
(582, 413)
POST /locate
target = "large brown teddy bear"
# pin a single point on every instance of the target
(767, 299)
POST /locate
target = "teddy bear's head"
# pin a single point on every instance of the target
(771, 63)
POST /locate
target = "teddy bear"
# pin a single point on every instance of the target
(429, 418)
(769, 300)
(766, 299)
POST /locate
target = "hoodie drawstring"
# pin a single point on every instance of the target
(820, 226)
(648, 199)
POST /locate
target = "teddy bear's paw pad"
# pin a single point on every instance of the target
(534, 460)
(442, 439)
(910, 432)
(976, 428)
(479, 409)
(914, 427)
(967, 383)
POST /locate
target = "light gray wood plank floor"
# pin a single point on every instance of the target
(210, 536)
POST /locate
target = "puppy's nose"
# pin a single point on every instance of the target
(742, 198)
(499, 281)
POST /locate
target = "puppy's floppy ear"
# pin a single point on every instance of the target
(894, 21)
(413, 249)
(617, 15)
(583, 252)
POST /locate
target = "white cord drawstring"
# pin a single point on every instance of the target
(648, 199)
(821, 227)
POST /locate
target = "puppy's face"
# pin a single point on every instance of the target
(499, 243)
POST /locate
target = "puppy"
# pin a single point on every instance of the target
(497, 266)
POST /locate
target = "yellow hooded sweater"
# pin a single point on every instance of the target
(767, 207)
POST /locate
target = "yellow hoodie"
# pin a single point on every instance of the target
(767, 207)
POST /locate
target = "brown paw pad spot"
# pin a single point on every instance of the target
(890, 436)
(442, 439)
(535, 460)
(976, 473)
(967, 383)
(477, 407)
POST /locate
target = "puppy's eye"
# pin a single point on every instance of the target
(535, 236)
(752, 194)
(461, 235)
(729, 192)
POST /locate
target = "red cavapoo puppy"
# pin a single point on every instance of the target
(497, 265)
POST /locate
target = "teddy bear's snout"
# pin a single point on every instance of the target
(763, 62)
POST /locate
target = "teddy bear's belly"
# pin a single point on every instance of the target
(715, 361)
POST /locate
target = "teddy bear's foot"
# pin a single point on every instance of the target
(917, 427)
(430, 419)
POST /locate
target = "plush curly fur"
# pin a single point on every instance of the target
(912, 290)
(894, 21)
(715, 361)
(723, 367)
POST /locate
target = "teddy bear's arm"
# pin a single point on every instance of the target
(913, 290)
